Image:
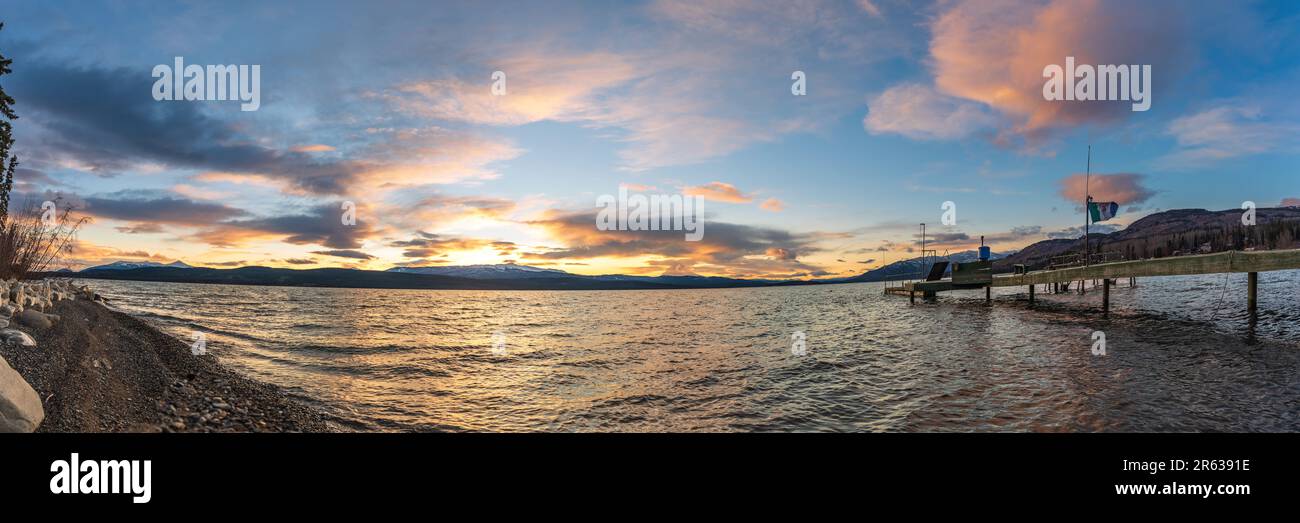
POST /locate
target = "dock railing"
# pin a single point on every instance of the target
(1075, 259)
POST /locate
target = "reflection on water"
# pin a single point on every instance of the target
(1182, 356)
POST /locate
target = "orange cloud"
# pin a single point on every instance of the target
(992, 52)
(1124, 188)
(772, 204)
(313, 148)
(718, 192)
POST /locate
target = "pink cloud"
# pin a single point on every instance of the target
(992, 52)
(772, 204)
(1124, 188)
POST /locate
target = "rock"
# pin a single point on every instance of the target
(20, 407)
(35, 319)
(8, 310)
(17, 337)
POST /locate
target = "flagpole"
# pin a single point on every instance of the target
(1087, 203)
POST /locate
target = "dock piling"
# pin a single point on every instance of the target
(1031, 293)
(1105, 294)
(1252, 290)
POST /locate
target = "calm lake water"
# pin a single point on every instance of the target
(1181, 356)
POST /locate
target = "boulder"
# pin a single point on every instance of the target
(20, 407)
(35, 319)
(17, 337)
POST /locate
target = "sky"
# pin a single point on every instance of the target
(389, 107)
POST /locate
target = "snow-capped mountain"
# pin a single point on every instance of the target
(487, 272)
(123, 265)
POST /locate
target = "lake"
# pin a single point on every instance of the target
(1181, 355)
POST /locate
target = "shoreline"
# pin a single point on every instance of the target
(101, 370)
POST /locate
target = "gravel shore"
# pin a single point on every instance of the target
(99, 370)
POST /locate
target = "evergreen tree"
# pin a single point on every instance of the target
(7, 162)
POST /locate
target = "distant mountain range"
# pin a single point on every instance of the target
(914, 268)
(503, 277)
(126, 265)
(1174, 233)
(1168, 233)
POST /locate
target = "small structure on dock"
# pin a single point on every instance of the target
(967, 275)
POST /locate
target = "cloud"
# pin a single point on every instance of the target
(201, 193)
(826, 29)
(919, 112)
(680, 89)
(1289, 202)
(772, 204)
(726, 248)
(941, 239)
(718, 192)
(345, 253)
(312, 148)
(225, 263)
(992, 53)
(962, 241)
(142, 228)
(1124, 188)
(539, 86)
(299, 261)
(780, 253)
(870, 7)
(425, 245)
(318, 225)
(103, 121)
(157, 207)
(1228, 131)
(414, 212)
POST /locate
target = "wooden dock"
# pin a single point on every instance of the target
(1249, 262)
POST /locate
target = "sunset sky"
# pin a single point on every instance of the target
(389, 105)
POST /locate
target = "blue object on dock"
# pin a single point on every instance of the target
(984, 253)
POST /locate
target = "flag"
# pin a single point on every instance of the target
(1102, 211)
